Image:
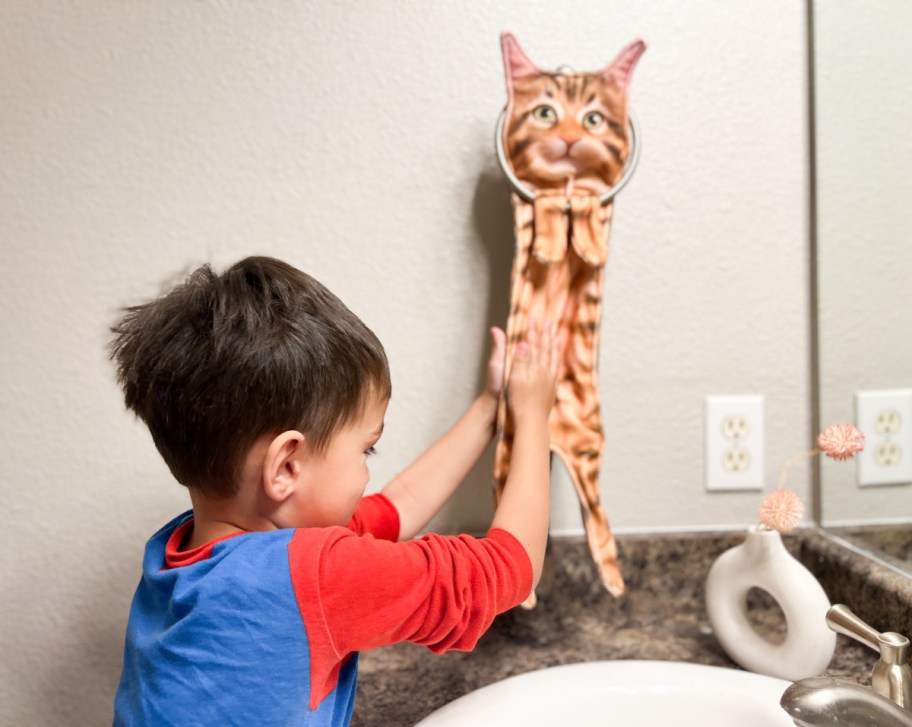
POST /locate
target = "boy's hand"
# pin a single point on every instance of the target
(533, 376)
(497, 363)
(524, 507)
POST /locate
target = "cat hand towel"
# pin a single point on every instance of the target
(566, 138)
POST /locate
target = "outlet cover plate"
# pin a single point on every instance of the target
(734, 442)
(885, 418)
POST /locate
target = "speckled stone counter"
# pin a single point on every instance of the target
(878, 590)
(661, 617)
(892, 542)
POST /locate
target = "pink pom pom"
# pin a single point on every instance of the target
(841, 441)
(781, 510)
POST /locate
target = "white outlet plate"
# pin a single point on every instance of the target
(885, 418)
(734, 442)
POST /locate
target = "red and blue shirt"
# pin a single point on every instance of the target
(265, 627)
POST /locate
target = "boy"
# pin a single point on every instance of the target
(265, 395)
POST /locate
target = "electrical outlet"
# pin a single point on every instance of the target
(735, 426)
(888, 454)
(735, 459)
(885, 418)
(734, 442)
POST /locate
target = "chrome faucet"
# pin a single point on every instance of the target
(821, 701)
(828, 702)
(892, 676)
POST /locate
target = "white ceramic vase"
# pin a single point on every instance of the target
(762, 561)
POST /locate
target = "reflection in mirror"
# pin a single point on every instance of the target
(863, 169)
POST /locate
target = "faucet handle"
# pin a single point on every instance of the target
(892, 676)
(841, 620)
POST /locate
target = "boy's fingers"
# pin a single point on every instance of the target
(557, 353)
(544, 343)
(551, 339)
(532, 334)
(498, 342)
(497, 361)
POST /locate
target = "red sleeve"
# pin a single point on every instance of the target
(357, 593)
(377, 516)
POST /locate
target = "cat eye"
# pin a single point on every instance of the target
(545, 114)
(593, 120)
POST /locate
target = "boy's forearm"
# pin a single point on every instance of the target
(525, 503)
(424, 487)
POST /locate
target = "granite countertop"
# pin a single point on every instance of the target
(661, 617)
(892, 541)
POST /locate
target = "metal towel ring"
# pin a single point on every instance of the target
(632, 159)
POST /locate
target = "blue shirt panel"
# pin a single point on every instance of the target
(222, 641)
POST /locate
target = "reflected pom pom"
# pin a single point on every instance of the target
(841, 441)
(781, 510)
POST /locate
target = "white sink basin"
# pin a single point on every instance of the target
(621, 693)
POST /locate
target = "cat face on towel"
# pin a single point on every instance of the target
(563, 126)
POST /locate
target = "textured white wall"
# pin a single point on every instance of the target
(354, 139)
(864, 182)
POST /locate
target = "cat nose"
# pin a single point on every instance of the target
(570, 139)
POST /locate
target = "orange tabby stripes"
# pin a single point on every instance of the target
(565, 135)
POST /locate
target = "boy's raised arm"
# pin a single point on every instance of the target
(419, 491)
(525, 505)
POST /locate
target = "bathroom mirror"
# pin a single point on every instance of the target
(862, 113)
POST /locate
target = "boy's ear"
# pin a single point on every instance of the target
(283, 465)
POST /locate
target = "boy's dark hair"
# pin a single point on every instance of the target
(224, 359)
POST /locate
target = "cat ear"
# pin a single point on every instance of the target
(516, 63)
(621, 68)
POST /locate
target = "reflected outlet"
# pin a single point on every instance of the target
(734, 442)
(885, 418)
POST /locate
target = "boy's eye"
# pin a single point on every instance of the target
(369, 451)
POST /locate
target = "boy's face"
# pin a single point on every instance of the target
(336, 479)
